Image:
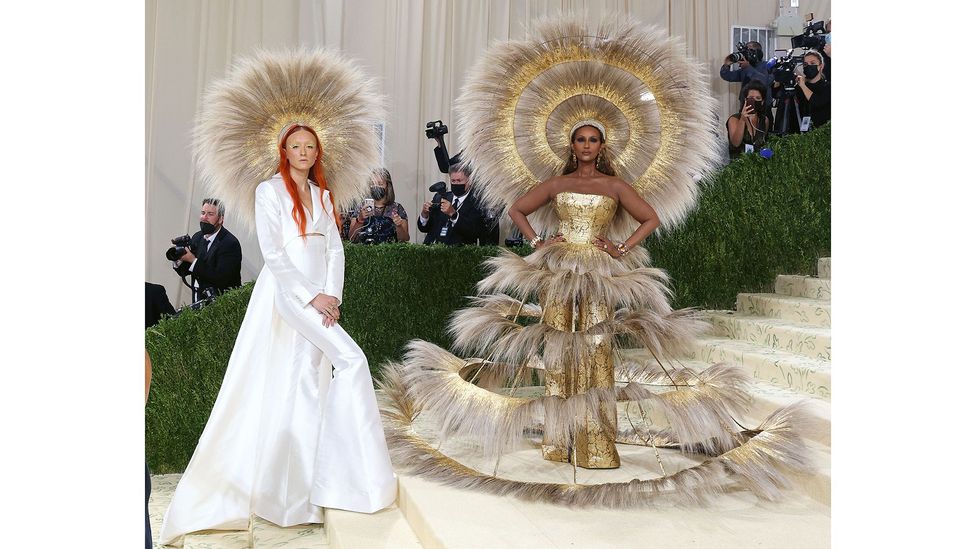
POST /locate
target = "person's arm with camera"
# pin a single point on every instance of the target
(358, 222)
(528, 203)
(400, 222)
(736, 125)
(730, 75)
(222, 269)
(271, 240)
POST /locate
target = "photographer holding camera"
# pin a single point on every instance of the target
(456, 217)
(749, 128)
(212, 257)
(749, 58)
(381, 218)
(810, 93)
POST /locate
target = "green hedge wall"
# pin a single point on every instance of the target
(756, 218)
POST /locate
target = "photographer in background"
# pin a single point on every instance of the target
(813, 92)
(213, 257)
(752, 66)
(749, 128)
(456, 217)
(381, 218)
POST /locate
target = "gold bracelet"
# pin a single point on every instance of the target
(535, 241)
(623, 249)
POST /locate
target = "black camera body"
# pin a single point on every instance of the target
(180, 245)
(784, 71)
(436, 130)
(754, 57)
(440, 191)
(370, 233)
(812, 37)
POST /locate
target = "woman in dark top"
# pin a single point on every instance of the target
(752, 124)
(387, 221)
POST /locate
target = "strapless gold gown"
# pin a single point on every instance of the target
(558, 316)
(582, 218)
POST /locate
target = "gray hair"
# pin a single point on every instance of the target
(460, 167)
(216, 203)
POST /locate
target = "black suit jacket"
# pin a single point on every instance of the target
(219, 267)
(474, 225)
(157, 304)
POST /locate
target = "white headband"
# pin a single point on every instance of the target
(594, 123)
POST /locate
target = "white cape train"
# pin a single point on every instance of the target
(286, 437)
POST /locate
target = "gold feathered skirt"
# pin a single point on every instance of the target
(558, 317)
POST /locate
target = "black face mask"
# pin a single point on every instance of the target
(378, 193)
(207, 228)
(459, 190)
(810, 71)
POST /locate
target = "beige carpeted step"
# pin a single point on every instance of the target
(267, 535)
(386, 529)
(803, 286)
(775, 333)
(823, 268)
(214, 539)
(452, 518)
(804, 375)
(801, 310)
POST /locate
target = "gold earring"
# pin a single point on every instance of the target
(574, 158)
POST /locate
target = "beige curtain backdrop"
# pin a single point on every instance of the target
(418, 49)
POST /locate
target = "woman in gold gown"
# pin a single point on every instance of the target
(572, 96)
(586, 198)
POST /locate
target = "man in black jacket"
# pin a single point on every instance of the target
(460, 218)
(214, 257)
(157, 304)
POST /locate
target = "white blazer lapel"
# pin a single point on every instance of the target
(316, 204)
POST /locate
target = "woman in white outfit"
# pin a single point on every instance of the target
(287, 436)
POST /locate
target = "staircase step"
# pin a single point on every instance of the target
(775, 333)
(265, 535)
(803, 286)
(216, 539)
(823, 267)
(803, 310)
(471, 519)
(805, 375)
(384, 529)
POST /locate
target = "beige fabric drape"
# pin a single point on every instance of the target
(418, 49)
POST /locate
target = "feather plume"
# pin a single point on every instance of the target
(235, 137)
(521, 99)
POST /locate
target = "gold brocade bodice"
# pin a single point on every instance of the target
(583, 217)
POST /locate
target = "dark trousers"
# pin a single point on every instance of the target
(148, 490)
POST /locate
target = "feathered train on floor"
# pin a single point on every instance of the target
(569, 306)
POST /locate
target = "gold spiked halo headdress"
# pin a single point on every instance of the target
(243, 117)
(522, 100)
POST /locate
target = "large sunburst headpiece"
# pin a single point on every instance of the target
(235, 139)
(522, 99)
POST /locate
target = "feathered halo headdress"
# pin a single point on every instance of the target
(523, 98)
(243, 116)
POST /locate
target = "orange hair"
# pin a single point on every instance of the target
(318, 175)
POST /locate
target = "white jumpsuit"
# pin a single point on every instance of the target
(286, 437)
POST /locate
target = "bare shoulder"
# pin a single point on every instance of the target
(620, 187)
(552, 185)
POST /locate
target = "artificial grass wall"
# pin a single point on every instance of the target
(757, 218)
